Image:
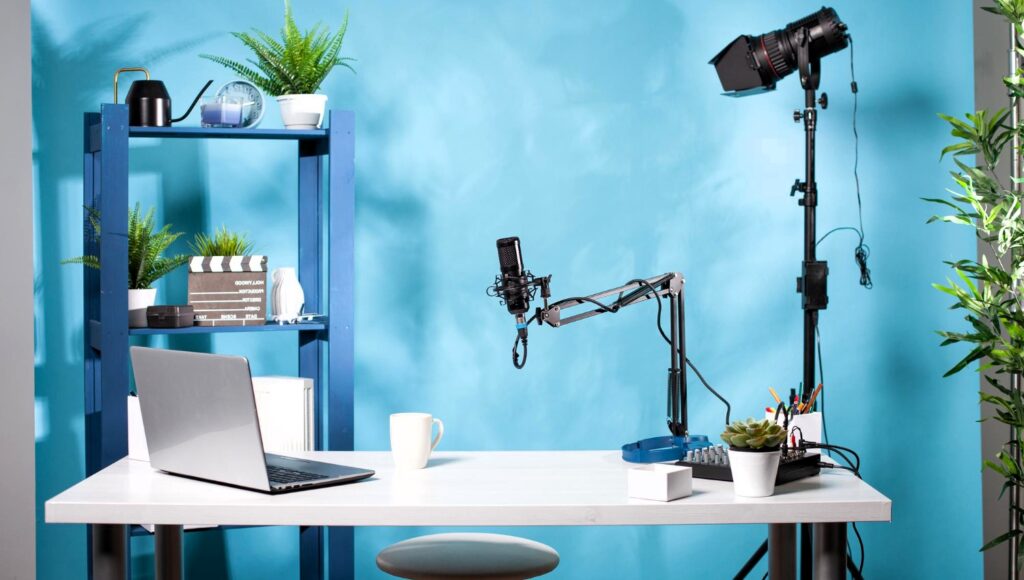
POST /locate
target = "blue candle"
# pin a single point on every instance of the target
(218, 114)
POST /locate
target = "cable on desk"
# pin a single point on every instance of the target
(821, 381)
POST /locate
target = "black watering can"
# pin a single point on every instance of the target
(149, 103)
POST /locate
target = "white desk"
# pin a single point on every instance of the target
(564, 488)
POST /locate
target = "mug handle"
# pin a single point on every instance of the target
(440, 432)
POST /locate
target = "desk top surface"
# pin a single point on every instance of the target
(469, 488)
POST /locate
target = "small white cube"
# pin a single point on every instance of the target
(660, 481)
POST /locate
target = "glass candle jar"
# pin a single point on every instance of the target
(223, 111)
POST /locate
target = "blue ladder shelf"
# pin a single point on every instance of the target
(326, 159)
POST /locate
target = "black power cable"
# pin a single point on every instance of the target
(821, 381)
(836, 449)
(862, 251)
(851, 466)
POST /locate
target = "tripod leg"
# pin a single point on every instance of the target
(754, 559)
(854, 572)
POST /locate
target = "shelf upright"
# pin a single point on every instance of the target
(341, 222)
(326, 219)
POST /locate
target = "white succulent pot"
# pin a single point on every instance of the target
(138, 302)
(302, 111)
(754, 472)
(286, 297)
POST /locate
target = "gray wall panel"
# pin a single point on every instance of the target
(991, 64)
(17, 431)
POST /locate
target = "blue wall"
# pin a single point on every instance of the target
(595, 131)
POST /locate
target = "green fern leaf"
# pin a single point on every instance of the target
(298, 63)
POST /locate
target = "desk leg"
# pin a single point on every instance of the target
(109, 552)
(830, 551)
(167, 552)
(782, 551)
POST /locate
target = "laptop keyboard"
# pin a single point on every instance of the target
(282, 475)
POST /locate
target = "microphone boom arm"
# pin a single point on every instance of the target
(668, 286)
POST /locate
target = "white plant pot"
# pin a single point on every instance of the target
(138, 302)
(754, 472)
(302, 111)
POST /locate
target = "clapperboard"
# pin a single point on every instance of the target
(228, 290)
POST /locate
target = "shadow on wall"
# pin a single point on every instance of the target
(393, 220)
(66, 84)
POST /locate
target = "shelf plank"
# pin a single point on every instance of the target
(222, 133)
(268, 327)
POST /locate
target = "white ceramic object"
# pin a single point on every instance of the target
(302, 111)
(137, 447)
(660, 481)
(754, 472)
(138, 302)
(410, 439)
(286, 297)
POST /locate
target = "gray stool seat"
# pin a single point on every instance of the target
(483, 556)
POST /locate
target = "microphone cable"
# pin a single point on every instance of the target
(613, 308)
(689, 363)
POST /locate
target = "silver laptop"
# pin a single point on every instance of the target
(199, 413)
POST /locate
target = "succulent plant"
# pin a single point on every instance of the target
(754, 434)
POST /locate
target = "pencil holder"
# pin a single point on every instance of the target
(806, 424)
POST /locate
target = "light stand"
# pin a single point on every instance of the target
(813, 282)
(813, 287)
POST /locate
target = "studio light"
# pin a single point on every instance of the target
(753, 64)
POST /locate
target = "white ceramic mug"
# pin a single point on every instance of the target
(410, 439)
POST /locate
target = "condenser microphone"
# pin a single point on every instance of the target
(514, 288)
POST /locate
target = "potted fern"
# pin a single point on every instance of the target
(754, 453)
(227, 284)
(146, 262)
(292, 68)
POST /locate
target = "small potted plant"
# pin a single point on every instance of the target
(227, 285)
(292, 68)
(754, 455)
(146, 262)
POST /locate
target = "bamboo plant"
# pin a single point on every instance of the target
(988, 290)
